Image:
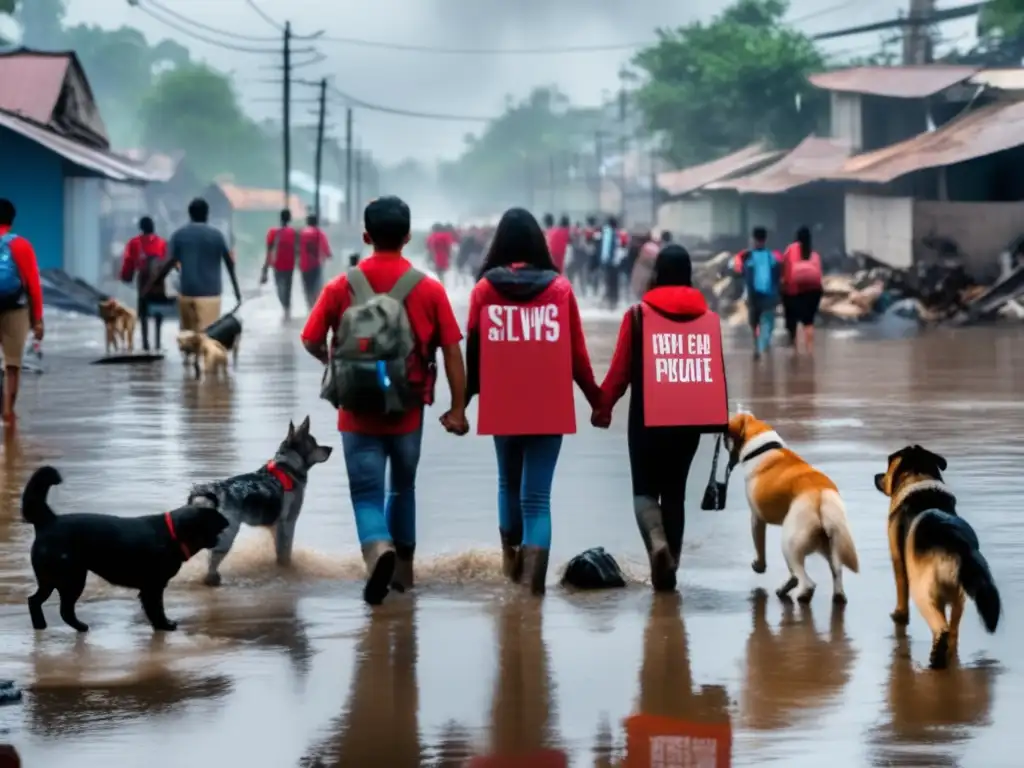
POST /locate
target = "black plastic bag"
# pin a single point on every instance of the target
(714, 494)
(593, 569)
(225, 330)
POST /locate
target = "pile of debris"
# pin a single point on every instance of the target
(858, 289)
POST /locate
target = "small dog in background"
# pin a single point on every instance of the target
(269, 497)
(199, 348)
(142, 553)
(783, 489)
(119, 322)
(936, 557)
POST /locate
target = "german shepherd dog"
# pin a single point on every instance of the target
(935, 553)
(142, 553)
(270, 497)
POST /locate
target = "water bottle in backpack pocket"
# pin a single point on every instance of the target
(12, 289)
(368, 368)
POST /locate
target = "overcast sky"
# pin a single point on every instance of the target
(455, 84)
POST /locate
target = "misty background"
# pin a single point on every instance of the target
(461, 84)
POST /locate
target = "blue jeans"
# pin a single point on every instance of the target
(526, 469)
(383, 513)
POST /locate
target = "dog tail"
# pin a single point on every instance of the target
(34, 507)
(955, 535)
(837, 529)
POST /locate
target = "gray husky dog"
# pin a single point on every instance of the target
(270, 497)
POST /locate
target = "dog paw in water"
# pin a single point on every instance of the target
(900, 617)
(759, 566)
(212, 580)
(805, 596)
(839, 598)
(940, 652)
(166, 626)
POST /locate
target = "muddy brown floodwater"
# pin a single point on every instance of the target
(280, 669)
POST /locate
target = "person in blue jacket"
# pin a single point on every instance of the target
(762, 274)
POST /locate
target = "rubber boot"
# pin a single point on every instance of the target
(402, 580)
(663, 567)
(511, 556)
(379, 557)
(535, 569)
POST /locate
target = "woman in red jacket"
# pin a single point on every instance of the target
(659, 457)
(524, 327)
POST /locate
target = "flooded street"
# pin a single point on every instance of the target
(290, 668)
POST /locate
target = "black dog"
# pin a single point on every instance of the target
(142, 553)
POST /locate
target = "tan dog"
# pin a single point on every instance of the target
(190, 345)
(198, 347)
(119, 322)
(935, 553)
(783, 489)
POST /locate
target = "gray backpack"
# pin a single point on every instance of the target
(367, 369)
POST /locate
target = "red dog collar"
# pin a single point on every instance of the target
(174, 535)
(282, 477)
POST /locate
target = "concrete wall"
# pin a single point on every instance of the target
(882, 227)
(980, 230)
(702, 218)
(33, 179)
(82, 257)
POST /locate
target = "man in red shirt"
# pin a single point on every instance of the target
(387, 532)
(439, 247)
(144, 254)
(282, 248)
(558, 242)
(314, 250)
(21, 305)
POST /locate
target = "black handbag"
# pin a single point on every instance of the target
(714, 494)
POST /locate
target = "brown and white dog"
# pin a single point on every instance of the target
(119, 322)
(783, 489)
(198, 347)
(936, 557)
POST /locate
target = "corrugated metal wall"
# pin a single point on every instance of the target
(33, 179)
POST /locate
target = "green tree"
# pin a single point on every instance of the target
(121, 66)
(715, 87)
(521, 141)
(1000, 35)
(195, 109)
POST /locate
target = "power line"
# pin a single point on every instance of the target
(186, 20)
(352, 101)
(412, 47)
(264, 15)
(202, 38)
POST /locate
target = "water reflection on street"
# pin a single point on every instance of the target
(282, 668)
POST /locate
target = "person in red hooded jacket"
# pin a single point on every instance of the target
(144, 255)
(659, 457)
(518, 274)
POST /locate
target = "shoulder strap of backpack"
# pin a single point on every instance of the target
(360, 286)
(409, 280)
(7, 238)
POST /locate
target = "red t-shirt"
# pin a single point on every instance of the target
(558, 244)
(282, 256)
(313, 248)
(137, 250)
(430, 315)
(24, 257)
(440, 245)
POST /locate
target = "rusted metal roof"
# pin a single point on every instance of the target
(984, 131)
(909, 82)
(99, 161)
(810, 161)
(30, 84)
(253, 199)
(677, 183)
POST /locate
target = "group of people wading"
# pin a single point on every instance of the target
(378, 327)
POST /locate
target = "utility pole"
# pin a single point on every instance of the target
(359, 178)
(917, 39)
(287, 113)
(348, 166)
(598, 165)
(622, 150)
(320, 147)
